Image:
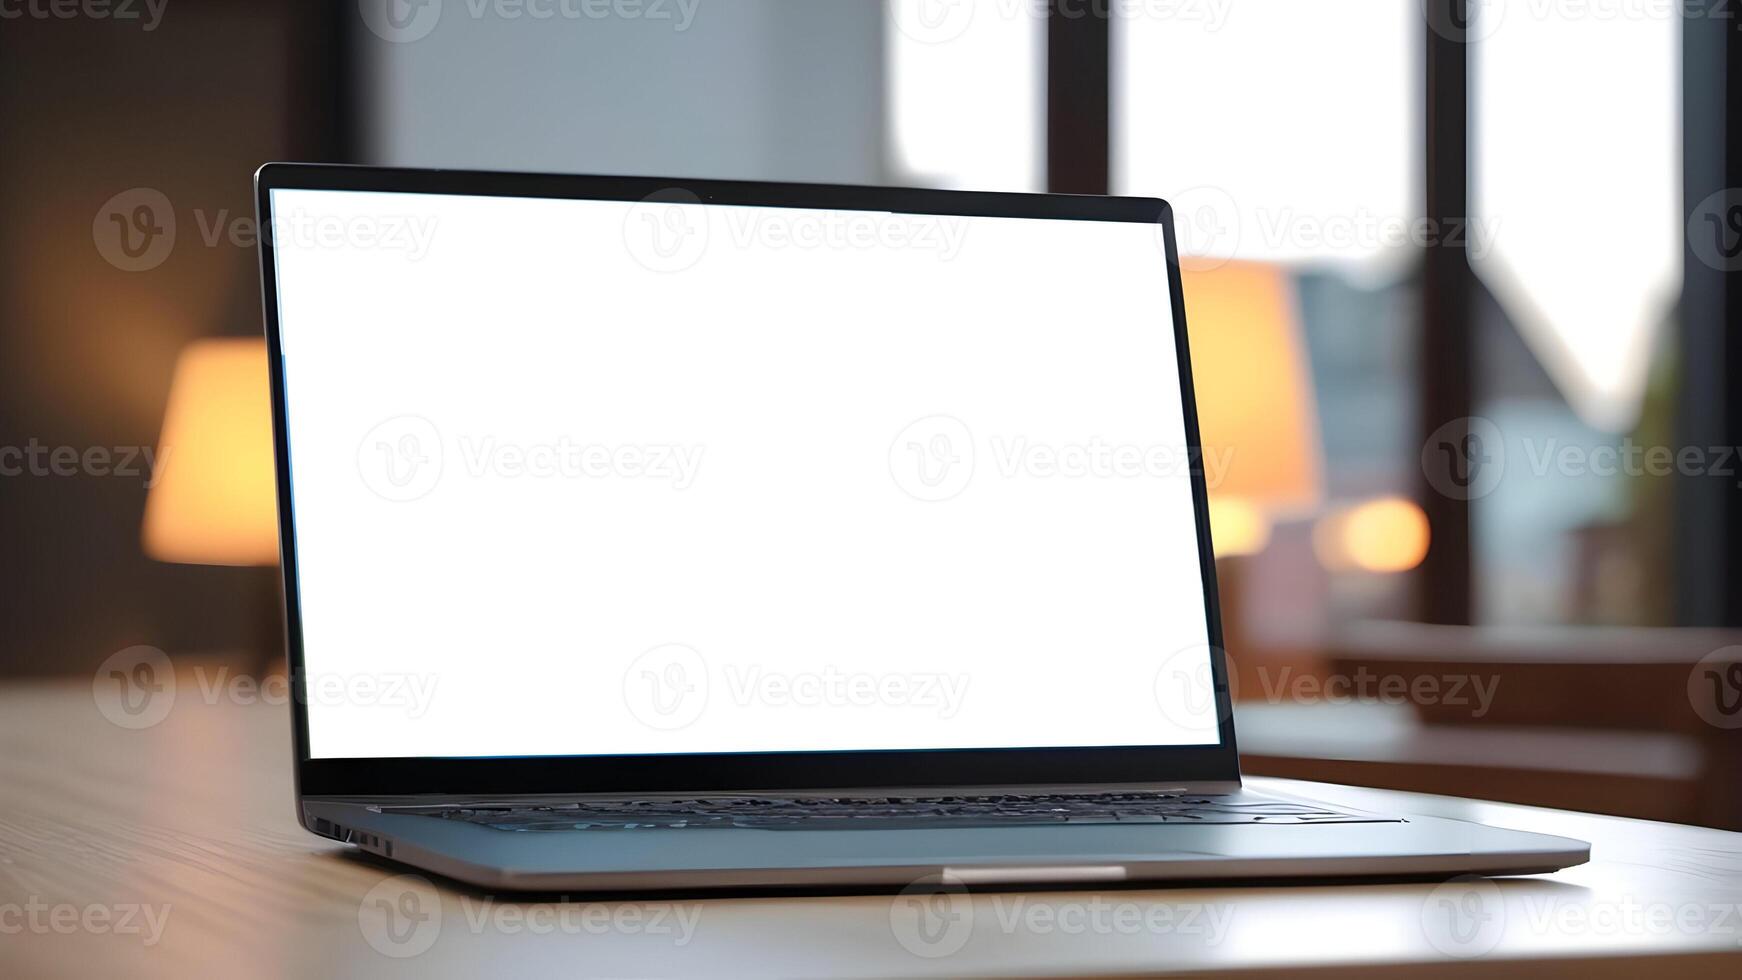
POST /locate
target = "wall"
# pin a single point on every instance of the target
(750, 89)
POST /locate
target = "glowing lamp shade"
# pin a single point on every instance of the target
(1255, 403)
(1237, 527)
(213, 501)
(1385, 535)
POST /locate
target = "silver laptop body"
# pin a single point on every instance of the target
(679, 534)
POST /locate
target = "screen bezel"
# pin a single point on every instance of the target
(523, 775)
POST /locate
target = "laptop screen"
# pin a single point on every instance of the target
(575, 477)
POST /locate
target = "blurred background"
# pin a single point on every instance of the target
(1462, 281)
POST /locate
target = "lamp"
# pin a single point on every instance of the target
(213, 501)
(1389, 534)
(1256, 416)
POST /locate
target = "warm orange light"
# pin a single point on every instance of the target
(1254, 390)
(213, 502)
(1237, 527)
(1385, 535)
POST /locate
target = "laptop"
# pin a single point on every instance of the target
(647, 534)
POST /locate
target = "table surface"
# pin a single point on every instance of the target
(172, 851)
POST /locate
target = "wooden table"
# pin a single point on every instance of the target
(171, 851)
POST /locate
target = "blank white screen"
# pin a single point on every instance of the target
(559, 492)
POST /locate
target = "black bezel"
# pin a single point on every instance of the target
(529, 775)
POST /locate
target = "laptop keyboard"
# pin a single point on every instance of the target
(869, 813)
